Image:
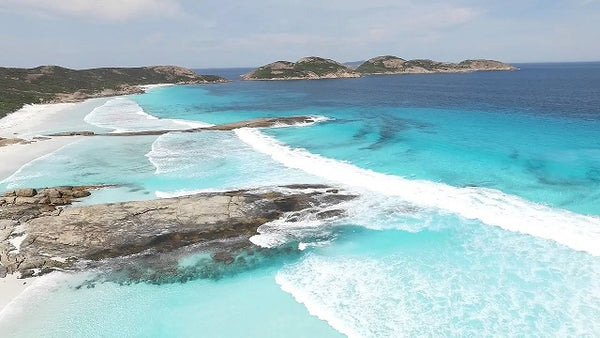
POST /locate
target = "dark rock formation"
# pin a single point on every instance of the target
(308, 68)
(74, 133)
(266, 122)
(37, 236)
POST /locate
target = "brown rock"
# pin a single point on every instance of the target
(65, 190)
(27, 200)
(9, 193)
(9, 200)
(81, 193)
(44, 200)
(26, 273)
(26, 192)
(59, 201)
(51, 192)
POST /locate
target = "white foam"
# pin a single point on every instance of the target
(155, 86)
(477, 293)
(314, 119)
(283, 230)
(123, 115)
(184, 192)
(492, 207)
(344, 287)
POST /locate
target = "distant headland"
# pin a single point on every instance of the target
(310, 68)
(52, 84)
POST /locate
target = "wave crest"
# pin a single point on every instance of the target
(492, 207)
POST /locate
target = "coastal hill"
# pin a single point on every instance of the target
(49, 84)
(308, 68)
(390, 64)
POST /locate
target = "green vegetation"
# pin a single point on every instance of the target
(394, 65)
(381, 64)
(19, 86)
(320, 66)
(306, 68)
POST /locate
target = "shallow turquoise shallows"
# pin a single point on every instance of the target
(478, 215)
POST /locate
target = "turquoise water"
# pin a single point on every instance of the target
(478, 216)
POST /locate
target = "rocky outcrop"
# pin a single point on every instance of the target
(37, 237)
(74, 133)
(394, 65)
(266, 122)
(55, 196)
(308, 68)
(11, 141)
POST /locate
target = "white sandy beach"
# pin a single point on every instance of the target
(36, 120)
(27, 123)
(15, 156)
(11, 287)
(31, 123)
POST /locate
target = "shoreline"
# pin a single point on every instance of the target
(14, 157)
(31, 122)
(12, 288)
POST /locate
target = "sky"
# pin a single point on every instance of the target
(225, 33)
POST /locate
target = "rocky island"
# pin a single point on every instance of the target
(308, 68)
(311, 68)
(52, 84)
(390, 64)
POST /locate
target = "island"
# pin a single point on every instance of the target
(308, 68)
(390, 64)
(314, 68)
(54, 84)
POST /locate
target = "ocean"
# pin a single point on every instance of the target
(478, 215)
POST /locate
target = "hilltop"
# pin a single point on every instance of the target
(49, 84)
(305, 68)
(390, 64)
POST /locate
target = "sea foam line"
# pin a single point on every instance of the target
(492, 207)
(123, 115)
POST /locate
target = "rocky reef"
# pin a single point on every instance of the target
(265, 122)
(40, 231)
(308, 68)
(390, 64)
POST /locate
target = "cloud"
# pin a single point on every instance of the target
(112, 10)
